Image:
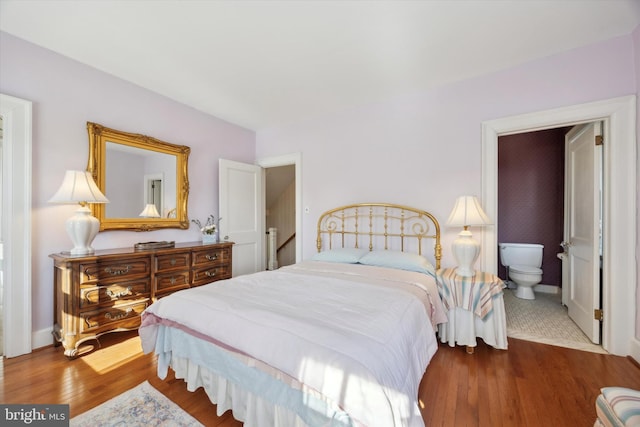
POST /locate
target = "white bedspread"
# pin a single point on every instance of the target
(361, 336)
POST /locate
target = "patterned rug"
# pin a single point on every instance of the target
(143, 405)
(544, 320)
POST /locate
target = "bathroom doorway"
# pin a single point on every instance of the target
(531, 197)
(619, 207)
(533, 194)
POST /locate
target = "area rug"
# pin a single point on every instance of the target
(143, 405)
(544, 320)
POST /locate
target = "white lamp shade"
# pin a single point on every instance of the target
(79, 187)
(150, 211)
(467, 212)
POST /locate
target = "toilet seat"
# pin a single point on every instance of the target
(524, 269)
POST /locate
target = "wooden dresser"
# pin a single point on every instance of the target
(108, 290)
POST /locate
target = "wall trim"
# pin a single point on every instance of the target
(16, 224)
(546, 289)
(42, 338)
(635, 349)
(619, 263)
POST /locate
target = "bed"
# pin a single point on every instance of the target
(340, 340)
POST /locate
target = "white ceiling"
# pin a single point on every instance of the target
(266, 63)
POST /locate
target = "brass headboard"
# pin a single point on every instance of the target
(379, 226)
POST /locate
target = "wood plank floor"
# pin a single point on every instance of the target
(528, 385)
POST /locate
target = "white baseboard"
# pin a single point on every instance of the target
(635, 349)
(41, 338)
(547, 289)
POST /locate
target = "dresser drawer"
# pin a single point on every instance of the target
(114, 292)
(211, 274)
(172, 281)
(213, 256)
(119, 269)
(181, 260)
(126, 316)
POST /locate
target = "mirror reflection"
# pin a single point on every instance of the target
(148, 176)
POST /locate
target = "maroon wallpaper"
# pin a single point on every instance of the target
(531, 195)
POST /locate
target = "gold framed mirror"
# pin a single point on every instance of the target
(145, 179)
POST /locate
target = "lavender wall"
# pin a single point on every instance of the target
(531, 195)
(424, 149)
(65, 95)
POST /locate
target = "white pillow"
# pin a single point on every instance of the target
(345, 255)
(399, 260)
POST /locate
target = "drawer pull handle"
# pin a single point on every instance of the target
(120, 294)
(118, 316)
(210, 273)
(173, 261)
(118, 270)
(212, 257)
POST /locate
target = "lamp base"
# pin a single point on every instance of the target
(465, 272)
(465, 250)
(82, 229)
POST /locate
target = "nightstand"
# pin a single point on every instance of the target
(475, 309)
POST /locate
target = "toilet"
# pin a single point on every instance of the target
(523, 262)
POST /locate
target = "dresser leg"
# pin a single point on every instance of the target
(71, 353)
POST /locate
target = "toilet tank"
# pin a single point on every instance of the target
(529, 254)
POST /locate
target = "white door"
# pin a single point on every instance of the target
(582, 227)
(242, 214)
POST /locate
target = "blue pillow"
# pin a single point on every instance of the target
(345, 255)
(399, 260)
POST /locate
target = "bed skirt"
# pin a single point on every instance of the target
(246, 406)
(464, 327)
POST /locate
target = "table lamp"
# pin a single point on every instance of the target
(150, 211)
(467, 212)
(79, 187)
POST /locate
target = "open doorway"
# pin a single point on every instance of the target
(280, 203)
(245, 211)
(537, 180)
(279, 173)
(153, 195)
(619, 205)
